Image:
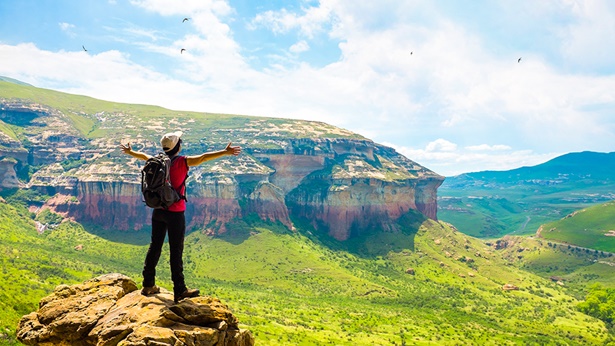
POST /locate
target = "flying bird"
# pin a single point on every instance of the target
(182, 51)
(519, 60)
(185, 19)
(85, 50)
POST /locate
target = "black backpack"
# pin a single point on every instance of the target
(158, 193)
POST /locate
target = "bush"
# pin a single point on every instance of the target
(600, 303)
(48, 217)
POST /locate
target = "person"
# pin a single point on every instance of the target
(172, 220)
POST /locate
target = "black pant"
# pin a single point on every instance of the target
(175, 223)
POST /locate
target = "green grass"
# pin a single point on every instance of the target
(495, 213)
(7, 130)
(291, 288)
(578, 268)
(585, 228)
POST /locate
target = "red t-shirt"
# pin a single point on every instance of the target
(179, 171)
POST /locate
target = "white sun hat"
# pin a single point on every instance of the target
(169, 140)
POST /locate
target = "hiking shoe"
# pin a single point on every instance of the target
(146, 291)
(188, 293)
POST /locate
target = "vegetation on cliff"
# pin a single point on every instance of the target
(600, 303)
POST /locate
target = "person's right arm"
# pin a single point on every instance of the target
(127, 149)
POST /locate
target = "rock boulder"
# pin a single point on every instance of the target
(109, 310)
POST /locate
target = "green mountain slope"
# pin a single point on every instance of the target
(593, 228)
(491, 204)
(95, 118)
(11, 80)
(289, 288)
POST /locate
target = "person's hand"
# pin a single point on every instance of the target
(232, 150)
(126, 148)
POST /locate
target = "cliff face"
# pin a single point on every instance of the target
(109, 310)
(337, 181)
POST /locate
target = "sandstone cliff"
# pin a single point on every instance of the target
(109, 310)
(340, 182)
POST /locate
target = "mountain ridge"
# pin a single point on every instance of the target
(584, 162)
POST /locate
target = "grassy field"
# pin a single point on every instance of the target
(289, 288)
(585, 228)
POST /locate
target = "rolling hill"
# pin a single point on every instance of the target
(592, 228)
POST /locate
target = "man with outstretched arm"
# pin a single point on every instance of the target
(172, 219)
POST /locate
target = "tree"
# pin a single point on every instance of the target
(600, 303)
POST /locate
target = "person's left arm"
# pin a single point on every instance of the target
(212, 155)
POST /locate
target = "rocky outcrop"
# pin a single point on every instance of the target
(109, 310)
(8, 176)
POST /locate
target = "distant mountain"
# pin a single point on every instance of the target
(582, 166)
(495, 203)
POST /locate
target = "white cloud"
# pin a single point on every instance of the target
(589, 41)
(67, 28)
(487, 147)
(311, 21)
(440, 145)
(449, 160)
(184, 7)
(299, 47)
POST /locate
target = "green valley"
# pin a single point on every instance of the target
(289, 288)
(491, 204)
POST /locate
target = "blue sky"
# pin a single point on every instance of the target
(439, 81)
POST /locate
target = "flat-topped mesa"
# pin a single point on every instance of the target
(338, 181)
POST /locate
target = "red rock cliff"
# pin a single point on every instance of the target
(341, 191)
